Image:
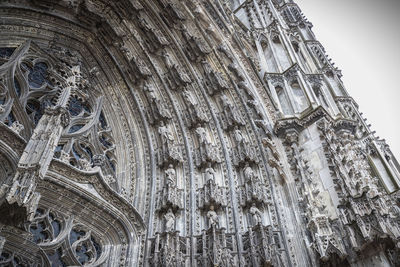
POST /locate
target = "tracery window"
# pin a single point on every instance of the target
(9, 259)
(283, 100)
(281, 54)
(65, 241)
(269, 57)
(32, 82)
(300, 98)
(25, 84)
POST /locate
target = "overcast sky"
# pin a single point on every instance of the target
(363, 39)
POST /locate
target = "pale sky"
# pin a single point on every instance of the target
(363, 38)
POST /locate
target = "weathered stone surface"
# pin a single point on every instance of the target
(184, 133)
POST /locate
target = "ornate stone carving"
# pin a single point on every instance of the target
(170, 197)
(195, 47)
(230, 116)
(211, 194)
(253, 190)
(169, 150)
(195, 114)
(207, 151)
(176, 77)
(159, 104)
(155, 37)
(157, 110)
(215, 83)
(244, 152)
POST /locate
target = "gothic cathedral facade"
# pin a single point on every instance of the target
(184, 133)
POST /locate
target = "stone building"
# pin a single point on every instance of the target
(184, 133)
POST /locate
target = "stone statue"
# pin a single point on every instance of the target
(190, 99)
(165, 135)
(203, 136)
(170, 175)
(212, 217)
(230, 112)
(241, 142)
(248, 173)
(256, 215)
(167, 59)
(169, 221)
(209, 174)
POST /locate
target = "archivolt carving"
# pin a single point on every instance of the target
(165, 111)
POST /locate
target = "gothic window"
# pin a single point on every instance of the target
(283, 100)
(28, 85)
(17, 87)
(337, 90)
(5, 53)
(45, 227)
(301, 102)
(56, 259)
(6, 170)
(281, 54)
(10, 119)
(75, 128)
(301, 58)
(102, 120)
(64, 236)
(34, 110)
(37, 75)
(86, 249)
(269, 57)
(9, 259)
(320, 95)
(381, 170)
(76, 106)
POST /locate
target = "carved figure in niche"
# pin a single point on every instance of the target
(167, 59)
(158, 110)
(169, 221)
(195, 112)
(166, 136)
(190, 98)
(212, 216)
(170, 175)
(169, 151)
(145, 25)
(207, 151)
(248, 174)
(230, 113)
(177, 78)
(256, 215)
(241, 142)
(204, 139)
(215, 82)
(210, 174)
(195, 47)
